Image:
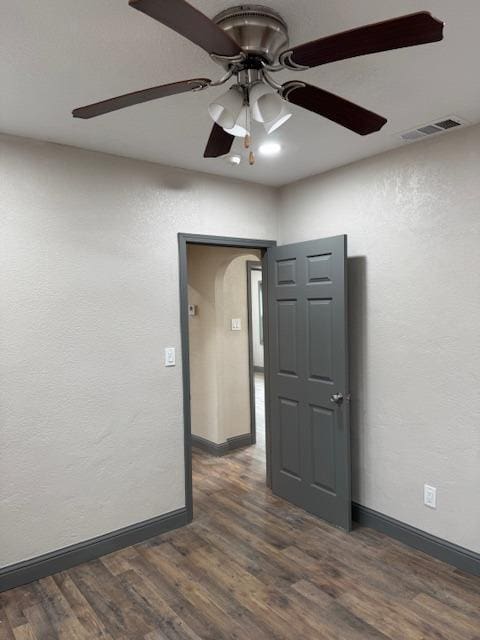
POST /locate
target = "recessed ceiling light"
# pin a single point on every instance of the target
(234, 160)
(270, 148)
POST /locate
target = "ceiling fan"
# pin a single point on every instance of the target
(251, 43)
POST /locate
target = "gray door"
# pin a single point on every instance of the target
(308, 377)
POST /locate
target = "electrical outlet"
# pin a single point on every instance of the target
(236, 324)
(429, 496)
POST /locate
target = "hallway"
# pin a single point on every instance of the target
(250, 567)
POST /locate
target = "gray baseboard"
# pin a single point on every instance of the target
(21, 573)
(212, 448)
(459, 557)
(215, 449)
(258, 369)
(237, 442)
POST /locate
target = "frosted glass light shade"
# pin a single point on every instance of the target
(226, 109)
(267, 107)
(239, 128)
(285, 115)
(257, 92)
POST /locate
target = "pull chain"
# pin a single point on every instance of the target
(248, 138)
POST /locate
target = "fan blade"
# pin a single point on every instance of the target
(137, 97)
(219, 143)
(406, 31)
(333, 107)
(189, 23)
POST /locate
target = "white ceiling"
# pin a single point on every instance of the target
(61, 54)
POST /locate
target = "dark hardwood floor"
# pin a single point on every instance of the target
(250, 566)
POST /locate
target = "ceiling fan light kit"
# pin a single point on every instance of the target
(251, 43)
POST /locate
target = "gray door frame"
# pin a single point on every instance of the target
(252, 266)
(185, 239)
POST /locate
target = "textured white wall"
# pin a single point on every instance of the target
(413, 222)
(91, 421)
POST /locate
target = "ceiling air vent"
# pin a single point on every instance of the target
(434, 128)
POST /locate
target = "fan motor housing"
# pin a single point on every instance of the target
(260, 31)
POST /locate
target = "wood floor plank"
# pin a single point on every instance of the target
(117, 562)
(81, 608)
(13, 603)
(335, 617)
(110, 600)
(270, 604)
(58, 611)
(224, 597)
(176, 564)
(6, 632)
(199, 597)
(458, 624)
(166, 622)
(369, 602)
(194, 617)
(24, 632)
(39, 621)
(250, 567)
(156, 635)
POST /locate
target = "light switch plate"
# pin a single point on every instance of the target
(170, 356)
(236, 324)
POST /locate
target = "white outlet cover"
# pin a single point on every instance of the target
(430, 496)
(236, 324)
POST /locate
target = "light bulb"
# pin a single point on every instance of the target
(270, 148)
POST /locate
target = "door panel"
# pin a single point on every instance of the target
(290, 445)
(319, 339)
(307, 331)
(287, 331)
(322, 447)
(286, 274)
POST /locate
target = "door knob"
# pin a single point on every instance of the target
(337, 398)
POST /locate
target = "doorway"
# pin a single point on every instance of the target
(305, 334)
(241, 247)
